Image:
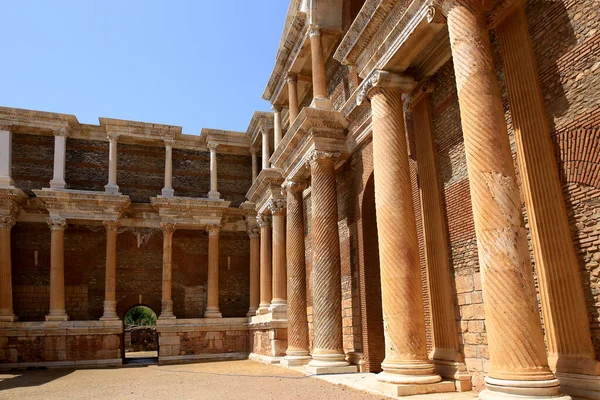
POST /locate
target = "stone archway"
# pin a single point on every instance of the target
(140, 336)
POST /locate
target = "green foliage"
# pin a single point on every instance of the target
(140, 316)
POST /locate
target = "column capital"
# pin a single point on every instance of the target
(169, 141)
(277, 206)
(276, 108)
(111, 225)
(7, 221)
(314, 30)
(254, 151)
(293, 186)
(263, 220)
(61, 132)
(57, 223)
(378, 80)
(212, 146)
(167, 227)
(213, 230)
(5, 126)
(291, 77)
(112, 136)
(422, 89)
(253, 231)
(316, 156)
(503, 9)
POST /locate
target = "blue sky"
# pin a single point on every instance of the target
(197, 64)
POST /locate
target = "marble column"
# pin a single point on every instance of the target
(328, 351)
(254, 234)
(266, 151)
(448, 360)
(319, 78)
(214, 193)
(60, 156)
(5, 156)
(297, 352)
(570, 349)
(406, 360)
(279, 301)
(212, 291)
(292, 85)
(6, 294)
(112, 187)
(167, 301)
(277, 129)
(168, 191)
(110, 287)
(265, 263)
(254, 165)
(57, 310)
(519, 365)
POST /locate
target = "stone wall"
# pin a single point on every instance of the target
(140, 338)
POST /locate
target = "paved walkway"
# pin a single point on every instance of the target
(215, 381)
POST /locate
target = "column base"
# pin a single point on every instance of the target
(454, 371)
(214, 195)
(167, 192)
(212, 314)
(579, 386)
(6, 182)
(522, 390)
(330, 363)
(296, 360)
(8, 318)
(111, 189)
(57, 316)
(252, 312)
(413, 389)
(278, 310)
(110, 311)
(55, 184)
(263, 309)
(321, 103)
(167, 316)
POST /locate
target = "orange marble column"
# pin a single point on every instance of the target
(253, 234)
(265, 263)
(297, 352)
(328, 351)
(292, 84)
(6, 294)
(563, 303)
(279, 300)
(319, 78)
(57, 310)
(516, 343)
(167, 301)
(110, 299)
(448, 360)
(212, 293)
(406, 360)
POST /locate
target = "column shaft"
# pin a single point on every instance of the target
(168, 191)
(254, 166)
(6, 294)
(60, 154)
(57, 310)
(265, 263)
(278, 303)
(318, 64)
(266, 152)
(110, 291)
(212, 292)
(254, 233)
(214, 193)
(516, 343)
(292, 84)
(278, 134)
(563, 302)
(167, 301)
(5, 156)
(112, 187)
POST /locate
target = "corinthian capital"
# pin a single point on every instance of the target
(212, 146)
(314, 30)
(263, 220)
(111, 225)
(277, 206)
(378, 79)
(293, 186)
(7, 221)
(213, 230)
(167, 227)
(56, 223)
(320, 156)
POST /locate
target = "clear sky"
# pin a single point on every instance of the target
(194, 63)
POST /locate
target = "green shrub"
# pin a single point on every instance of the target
(140, 316)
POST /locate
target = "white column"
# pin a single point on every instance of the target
(254, 165)
(5, 156)
(213, 194)
(60, 155)
(278, 134)
(112, 187)
(265, 148)
(168, 191)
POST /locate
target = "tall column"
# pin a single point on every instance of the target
(265, 263)
(328, 352)
(297, 352)
(277, 130)
(110, 287)
(292, 84)
(213, 194)
(516, 343)
(406, 360)
(319, 79)
(167, 301)
(266, 152)
(57, 270)
(279, 301)
(253, 234)
(212, 292)
(5, 156)
(6, 294)
(448, 360)
(112, 187)
(60, 156)
(570, 349)
(254, 165)
(168, 191)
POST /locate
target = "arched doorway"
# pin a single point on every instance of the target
(140, 337)
(372, 318)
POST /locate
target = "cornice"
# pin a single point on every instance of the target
(77, 205)
(190, 212)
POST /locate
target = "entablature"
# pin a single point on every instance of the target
(190, 212)
(266, 186)
(227, 141)
(82, 205)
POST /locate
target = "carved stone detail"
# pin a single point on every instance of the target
(56, 223)
(264, 220)
(112, 225)
(168, 227)
(314, 30)
(277, 206)
(213, 230)
(378, 79)
(7, 221)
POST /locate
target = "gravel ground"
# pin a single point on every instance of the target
(214, 381)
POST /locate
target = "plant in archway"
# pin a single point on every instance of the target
(140, 316)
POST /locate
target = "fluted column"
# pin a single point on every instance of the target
(328, 351)
(292, 85)
(110, 291)
(6, 156)
(279, 301)
(563, 303)
(448, 360)
(254, 165)
(60, 156)
(212, 292)
(168, 191)
(266, 152)
(167, 301)
(112, 187)
(214, 193)
(57, 310)
(6, 294)
(254, 234)
(297, 352)
(516, 343)
(265, 263)
(319, 78)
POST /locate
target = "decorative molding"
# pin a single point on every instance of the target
(314, 30)
(424, 87)
(112, 136)
(169, 141)
(383, 79)
(112, 225)
(56, 223)
(5, 126)
(83, 205)
(277, 206)
(294, 186)
(434, 13)
(213, 230)
(253, 231)
(168, 227)
(319, 155)
(263, 220)
(61, 132)
(7, 221)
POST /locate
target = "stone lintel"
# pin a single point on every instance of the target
(224, 139)
(139, 131)
(11, 200)
(189, 212)
(260, 120)
(313, 129)
(269, 180)
(83, 205)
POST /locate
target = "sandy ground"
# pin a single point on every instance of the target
(215, 381)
